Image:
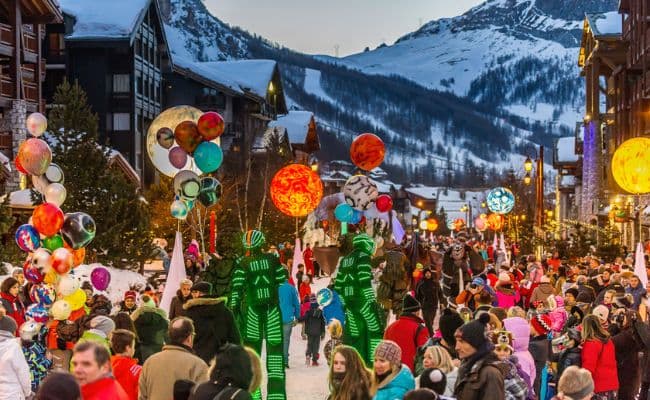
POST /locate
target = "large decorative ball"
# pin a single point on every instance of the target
(631, 165)
(78, 230)
(384, 203)
(187, 184)
(344, 212)
(211, 125)
(367, 151)
(360, 192)
(208, 157)
(34, 156)
(47, 218)
(296, 190)
(500, 200)
(495, 221)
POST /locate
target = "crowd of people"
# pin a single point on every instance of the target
(519, 329)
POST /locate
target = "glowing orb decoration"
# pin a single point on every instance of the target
(432, 224)
(500, 200)
(495, 221)
(296, 190)
(481, 223)
(459, 224)
(360, 192)
(631, 165)
(170, 118)
(367, 151)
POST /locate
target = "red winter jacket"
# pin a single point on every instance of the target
(403, 333)
(127, 373)
(14, 308)
(600, 359)
(105, 388)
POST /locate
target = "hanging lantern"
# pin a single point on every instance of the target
(481, 223)
(423, 224)
(432, 224)
(631, 165)
(459, 224)
(495, 221)
(500, 200)
(296, 190)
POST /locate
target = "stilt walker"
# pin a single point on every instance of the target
(254, 301)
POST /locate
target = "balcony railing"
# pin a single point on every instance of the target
(6, 87)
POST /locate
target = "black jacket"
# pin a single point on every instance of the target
(540, 348)
(428, 293)
(211, 391)
(214, 325)
(565, 359)
(627, 346)
(314, 322)
(151, 324)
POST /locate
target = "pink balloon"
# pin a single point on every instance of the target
(100, 278)
(177, 157)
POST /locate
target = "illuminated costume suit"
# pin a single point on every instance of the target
(363, 329)
(254, 301)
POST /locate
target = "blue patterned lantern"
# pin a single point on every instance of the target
(500, 200)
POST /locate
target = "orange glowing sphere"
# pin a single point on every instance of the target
(459, 224)
(367, 151)
(631, 165)
(296, 190)
(432, 224)
(495, 221)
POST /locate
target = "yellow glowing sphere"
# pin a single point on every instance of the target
(631, 165)
(432, 224)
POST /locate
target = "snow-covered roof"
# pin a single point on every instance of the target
(296, 123)
(336, 176)
(609, 24)
(382, 186)
(566, 151)
(117, 157)
(114, 19)
(426, 192)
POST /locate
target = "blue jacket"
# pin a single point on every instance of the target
(396, 387)
(289, 303)
(334, 310)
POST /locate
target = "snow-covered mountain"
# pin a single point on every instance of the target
(470, 93)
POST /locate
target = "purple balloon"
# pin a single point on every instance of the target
(100, 278)
(177, 157)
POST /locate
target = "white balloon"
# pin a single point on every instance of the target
(54, 174)
(61, 310)
(55, 193)
(67, 285)
(36, 124)
(40, 183)
(42, 260)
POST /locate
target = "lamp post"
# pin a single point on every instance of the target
(467, 209)
(539, 185)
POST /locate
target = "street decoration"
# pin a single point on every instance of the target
(360, 192)
(367, 151)
(296, 190)
(631, 165)
(500, 200)
(495, 221)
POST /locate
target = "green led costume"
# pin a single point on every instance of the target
(363, 329)
(254, 301)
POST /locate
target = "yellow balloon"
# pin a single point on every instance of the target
(631, 165)
(76, 299)
(51, 277)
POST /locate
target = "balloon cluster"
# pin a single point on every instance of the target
(188, 188)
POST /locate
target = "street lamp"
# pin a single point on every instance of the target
(527, 179)
(539, 184)
(467, 209)
(528, 165)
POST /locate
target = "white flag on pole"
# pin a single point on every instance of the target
(175, 275)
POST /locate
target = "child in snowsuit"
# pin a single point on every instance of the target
(38, 358)
(517, 386)
(314, 329)
(335, 330)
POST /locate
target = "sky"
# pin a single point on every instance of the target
(320, 27)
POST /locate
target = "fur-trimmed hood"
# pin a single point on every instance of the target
(203, 301)
(146, 309)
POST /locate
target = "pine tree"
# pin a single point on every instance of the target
(94, 186)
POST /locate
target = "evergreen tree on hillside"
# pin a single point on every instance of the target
(94, 185)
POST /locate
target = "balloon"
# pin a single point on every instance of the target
(187, 136)
(179, 209)
(324, 297)
(32, 274)
(165, 137)
(78, 230)
(36, 124)
(344, 212)
(47, 219)
(27, 238)
(50, 277)
(35, 156)
(187, 184)
(42, 293)
(631, 165)
(432, 224)
(211, 125)
(356, 216)
(384, 203)
(62, 261)
(177, 157)
(210, 191)
(40, 183)
(360, 192)
(54, 174)
(67, 285)
(208, 157)
(296, 190)
(37, 313)
(19, 166)
(500, 200)
(53, 242)
(100, 278)
(367, 151)
(61, 310)
(76, 299)
(495, 221)
(78, 256)
(55, 193)
(41, 259)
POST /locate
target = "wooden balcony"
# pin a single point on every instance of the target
(29, 43)
(6, 40)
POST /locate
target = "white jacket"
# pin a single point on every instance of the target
(15, 381)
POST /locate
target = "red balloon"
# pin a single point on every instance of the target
(384, 203)
(62, 260)
(367, 151)
(47, 218)
(211, 125)
(187, 136)
(19, 166)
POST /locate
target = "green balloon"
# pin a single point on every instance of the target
(53, 242)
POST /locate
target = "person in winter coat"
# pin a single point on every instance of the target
(10, 300)
(182, 296)
(100, 330)
(539, 346)
(391, 379)
(15, 382)
(151, 326)
(59, 386)
(570, 355)
(349, 379)
(335, 330)
(38, 359)
(599, 358)
(214, 322)
(231, 377)
(506, 294)
(627, 345)
(92, 370)
(290, 310)
(428, 293)
(408, 331)
(438, 358)
(305, 287)
(635, 288)
(125, 368)
(558, 315)
(520, 330)
(515, 385)
(128, 305)
(479, 375)
(314, 328)
(305, 305)
(543, 290)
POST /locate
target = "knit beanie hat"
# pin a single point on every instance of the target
(103, 324)
(130, 294)
(389, 351)
(203, 287)
(7, 324)
(542, 323)
(59, 386)
(474, 332)
(450, 320)
(410, 304)
(434, 379)
(572, 291)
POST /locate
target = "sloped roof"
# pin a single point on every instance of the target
(296, 123)
(104, 19)
(605, 25)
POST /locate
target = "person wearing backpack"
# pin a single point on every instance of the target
(231, 377)
(314, 329)
(409, 331)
